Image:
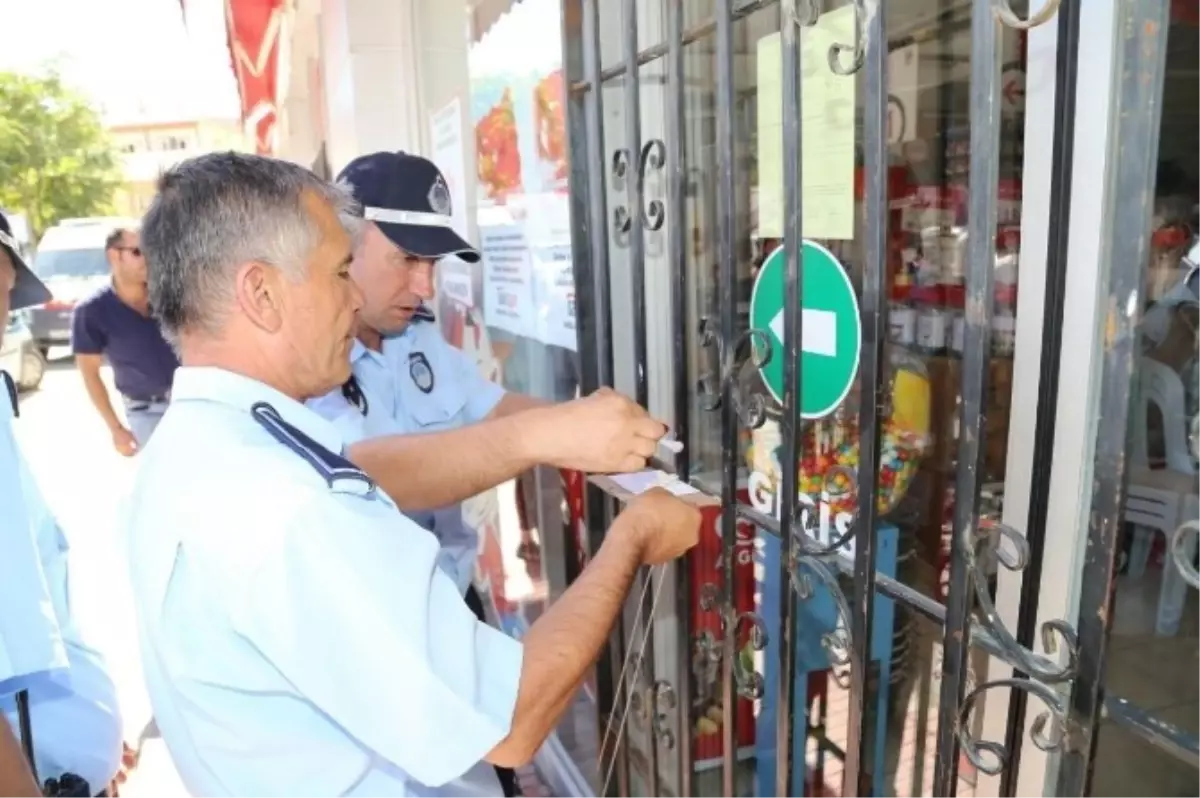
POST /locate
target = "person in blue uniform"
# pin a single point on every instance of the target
(299, 636)
(73, 726)
(406, 378)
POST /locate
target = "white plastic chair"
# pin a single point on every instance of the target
(1155, 498)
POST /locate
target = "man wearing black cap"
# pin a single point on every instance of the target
(53, 686)
(406, 377)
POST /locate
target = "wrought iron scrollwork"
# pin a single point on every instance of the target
(663, 698)
(708, 387)
(619, 168)
(1183, 543)
(653, 158)
(1006, 15)
(837, 641)
(750, 405)
(1055, 633)
(1048, 731)
(858, 49)
(749, 682)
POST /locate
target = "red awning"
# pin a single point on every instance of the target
(253, 28)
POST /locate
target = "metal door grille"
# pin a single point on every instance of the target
(1067, 679)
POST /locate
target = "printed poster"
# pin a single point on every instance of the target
(555, 296)
(519, 117)
(508, 294)
(828, 128)
(446, 128)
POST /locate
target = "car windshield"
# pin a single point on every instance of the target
(71, 263)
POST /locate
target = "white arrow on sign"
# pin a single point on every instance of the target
(820, 331)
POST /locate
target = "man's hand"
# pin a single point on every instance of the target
(124, 442)
(604, 433)
(666, 525)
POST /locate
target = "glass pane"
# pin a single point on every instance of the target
(651, 28)
(1154, 645)
(927, 189)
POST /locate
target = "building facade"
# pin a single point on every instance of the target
(148, 147)
(920, 313)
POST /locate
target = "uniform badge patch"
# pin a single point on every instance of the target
(439, 197)
(420, 371)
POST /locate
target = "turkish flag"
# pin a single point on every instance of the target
(253, 28)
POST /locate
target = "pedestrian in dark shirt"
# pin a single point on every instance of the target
(115, 324)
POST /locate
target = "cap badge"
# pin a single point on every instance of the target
(439, 197)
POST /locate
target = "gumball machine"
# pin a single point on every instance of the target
(830, 454)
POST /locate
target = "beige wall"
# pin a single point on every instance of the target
(445, 78)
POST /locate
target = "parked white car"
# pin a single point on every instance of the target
(19, 354)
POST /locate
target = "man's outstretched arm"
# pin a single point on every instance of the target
(602, 433)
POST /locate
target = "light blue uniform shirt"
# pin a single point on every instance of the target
(419, 383)
(297, 635)
(72, 701)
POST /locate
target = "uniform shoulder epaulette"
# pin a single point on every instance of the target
(336, 470)
(10, 391)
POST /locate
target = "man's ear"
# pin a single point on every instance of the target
(259, 293)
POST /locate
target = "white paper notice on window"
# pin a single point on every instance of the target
(638, 482)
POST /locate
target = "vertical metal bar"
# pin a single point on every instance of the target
(1131, 165)
(981, 222)
(856, 779)
(637, 267)
(726, 251)
(793, 240)
(636, 189)
(1063, 158)
(677, 225)
(594, 281)
(594, 172)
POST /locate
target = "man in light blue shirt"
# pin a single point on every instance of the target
(298, 634)
(74, 725)
(406, 377)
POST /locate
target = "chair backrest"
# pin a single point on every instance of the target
(1161, 386)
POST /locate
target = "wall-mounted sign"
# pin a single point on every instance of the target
(831, 329)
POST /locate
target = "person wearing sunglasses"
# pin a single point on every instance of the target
(115, 324)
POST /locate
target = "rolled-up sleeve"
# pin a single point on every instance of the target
(352, 610)
(482, 394)
(31, 640)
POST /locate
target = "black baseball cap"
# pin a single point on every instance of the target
(408, 198)
(27, 290)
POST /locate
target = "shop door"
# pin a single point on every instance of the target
(832, 243)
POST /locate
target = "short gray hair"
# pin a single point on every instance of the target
(215, 212)
(351, 215)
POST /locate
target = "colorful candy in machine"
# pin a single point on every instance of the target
(830, 446)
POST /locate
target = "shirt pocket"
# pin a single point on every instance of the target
(441, 407)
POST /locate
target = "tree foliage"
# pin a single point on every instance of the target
(56, 159)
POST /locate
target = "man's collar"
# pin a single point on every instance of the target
(359, 350)
(208, 383)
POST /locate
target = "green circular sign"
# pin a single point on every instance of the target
(831, 330)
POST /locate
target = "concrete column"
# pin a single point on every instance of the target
(372, 78)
